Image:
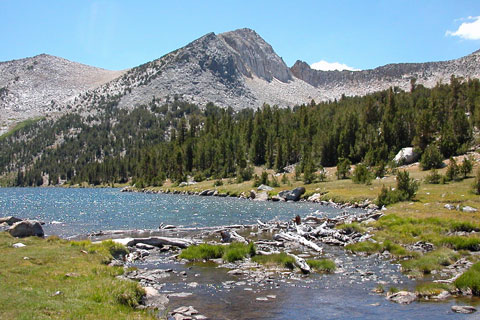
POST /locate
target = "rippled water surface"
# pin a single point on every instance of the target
(343, 295)
(80, 211)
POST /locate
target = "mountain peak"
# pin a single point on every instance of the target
(256, 56)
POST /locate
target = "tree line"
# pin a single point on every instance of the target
(150, 143)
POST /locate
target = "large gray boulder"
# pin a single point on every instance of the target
(406, 156)
(26, 228)
(292, 195)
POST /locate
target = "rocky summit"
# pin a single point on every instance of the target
(235, 69)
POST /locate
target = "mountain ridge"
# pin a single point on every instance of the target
(237, 69)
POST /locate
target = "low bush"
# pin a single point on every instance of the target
(361, 174)
(406, 189)
(434, 177)
(431, 158)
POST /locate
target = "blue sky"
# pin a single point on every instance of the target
(360, 34)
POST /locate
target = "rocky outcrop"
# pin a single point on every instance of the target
(292, 195)
(26, 228)
(399, 75)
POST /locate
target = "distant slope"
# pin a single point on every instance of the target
(351, 83)
(42, 84)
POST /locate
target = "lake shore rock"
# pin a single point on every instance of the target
(26, 228)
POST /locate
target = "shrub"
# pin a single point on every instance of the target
(431, 158)
(476, 183)
(199, 177)
(452, 170)
(361, 174)
(407, 186)
(284, 179)
(466, 167)
(322, 174)
(322, 265)
(218, 183)
(343, 168)
(434, 177)
(274, 182)
(244, 174)
(380, 170)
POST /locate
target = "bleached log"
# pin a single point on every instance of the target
(157, 241)
(288, 236)
(231, 236)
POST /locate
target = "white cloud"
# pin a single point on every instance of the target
(467, 30)
(330, 66)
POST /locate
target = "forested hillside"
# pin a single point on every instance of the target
(154, 142)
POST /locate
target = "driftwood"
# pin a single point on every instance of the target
(270, 243)
(231, 236)
(289, 236)
(157, 241)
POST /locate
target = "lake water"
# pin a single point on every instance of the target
(69, 211)
(343, 295)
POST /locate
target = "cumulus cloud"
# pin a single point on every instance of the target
(469, 30)
(330, 66)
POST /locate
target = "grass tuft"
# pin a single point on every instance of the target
(434, 260)
(233, 252)
(470, 279)
(322, 265)
(276, 259)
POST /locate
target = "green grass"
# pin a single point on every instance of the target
(233, 252)
(351, 227)
(20, 126)
(462, 243)
(470, 279)
(322, 265)
(276, 259)
(433, 288)
(434, 260)
(370, 247)
(89, 289)
(365, 246)
(108, 249)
